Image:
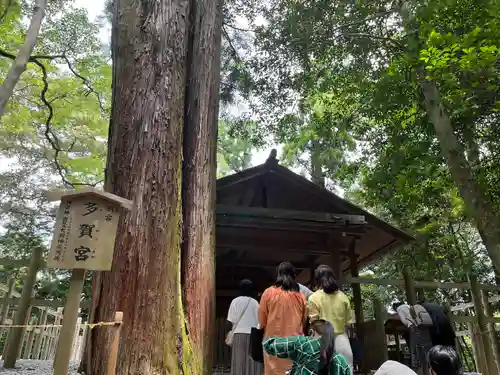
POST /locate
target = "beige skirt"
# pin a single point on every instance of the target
(241, 362)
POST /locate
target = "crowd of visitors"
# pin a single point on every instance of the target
(305, 333)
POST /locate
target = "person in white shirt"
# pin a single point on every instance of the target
(419, 338)
(394, 368)
(243, 315)
(305, 291)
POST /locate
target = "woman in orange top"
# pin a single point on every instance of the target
(282, 313)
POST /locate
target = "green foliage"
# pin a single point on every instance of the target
(346, 76)
(233, 154)
(54, 131)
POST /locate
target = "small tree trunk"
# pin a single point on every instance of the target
(199, 178)
(19, 65)
(474, 162)
(488, 224)
(144, 165)
(317, 175)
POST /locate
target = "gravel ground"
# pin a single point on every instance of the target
(28, 367)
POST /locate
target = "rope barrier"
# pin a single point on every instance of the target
(90, 325)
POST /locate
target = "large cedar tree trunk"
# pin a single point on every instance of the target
(481, 209)
(150, 44)
(199, 177)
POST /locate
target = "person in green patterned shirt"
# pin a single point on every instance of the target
(311, 355)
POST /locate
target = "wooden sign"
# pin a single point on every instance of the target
(85, 230)
(84, 239)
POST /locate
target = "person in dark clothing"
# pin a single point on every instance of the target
(418, 339)
(442, 332)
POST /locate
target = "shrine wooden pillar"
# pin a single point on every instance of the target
(334, 247)
(356, 290)
(312, 269)
(410, 290)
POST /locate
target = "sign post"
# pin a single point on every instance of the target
(84, 239)
(15, 336)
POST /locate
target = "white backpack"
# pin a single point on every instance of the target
(420, 316)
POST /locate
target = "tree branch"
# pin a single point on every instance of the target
(228, 38)
(19, 65)
(5, 11)
(86, 83)
(49, 134)
(239, 28)
(364, 20)
(35, 58)
(374, 37)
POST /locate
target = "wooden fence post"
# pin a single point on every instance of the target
(39, 336)
(30, 342)
(113, 353)
(477, 353)
(54, 334)
(379, 316)
(4, 310)
(15, 336)
(483, 336)
(491, 330)
(449, 314)
(47, 342)
(4, 314)
(24, 329)
(357, 294)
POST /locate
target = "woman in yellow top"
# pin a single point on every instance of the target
(329, 303)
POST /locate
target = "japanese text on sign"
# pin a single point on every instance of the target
(62, 239)
(84, 234)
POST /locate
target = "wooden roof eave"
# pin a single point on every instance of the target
(350, 207)
(322, 193)
(396, 237)
(291, 215)
(244, 175)
(372, 257)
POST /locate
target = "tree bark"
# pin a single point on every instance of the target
(199, 177)
(474, 162)
(488, 224)
(150, 42)
(317, 175)
(19, 64)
